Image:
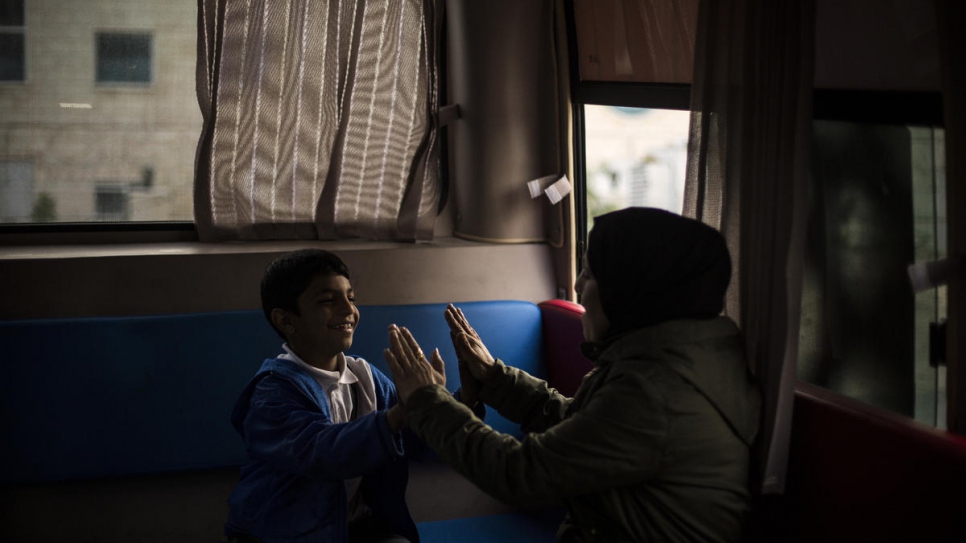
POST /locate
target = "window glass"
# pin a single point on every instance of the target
(876, 205)
(12, 58)
(634, 157)
(11, 13)
(16, 190)
(123, 58)
(108, 119)
(112, 203)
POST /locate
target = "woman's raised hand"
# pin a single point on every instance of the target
(410, 369)
(470, 350)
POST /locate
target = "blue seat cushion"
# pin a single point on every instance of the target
(511, 331)
(527, 526)
(99, 397)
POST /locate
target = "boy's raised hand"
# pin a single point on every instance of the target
(408, 365)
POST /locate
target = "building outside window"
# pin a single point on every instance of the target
(635, 157)
(110, 100)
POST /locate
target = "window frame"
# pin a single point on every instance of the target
(920, 108)
(899, 108)
(98, 232)
(605, 93)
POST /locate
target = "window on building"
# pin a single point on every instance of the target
(123, 57)
(12, 50)
(112, 203)
(16, 191)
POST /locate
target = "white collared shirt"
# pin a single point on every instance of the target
(338, 389)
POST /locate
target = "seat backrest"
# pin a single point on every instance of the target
(562, 336)
(100, 397)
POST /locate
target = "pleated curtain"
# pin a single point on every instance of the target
(747, 175)
(318, 119)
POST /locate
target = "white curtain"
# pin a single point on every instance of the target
(318, 119)
(747, 174)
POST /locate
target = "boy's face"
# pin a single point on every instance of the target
(326, 321)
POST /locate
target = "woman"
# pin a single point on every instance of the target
(655, 444)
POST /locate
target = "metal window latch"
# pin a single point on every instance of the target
(937, 344)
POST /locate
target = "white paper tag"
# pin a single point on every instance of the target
(536, 186)
(558, 190)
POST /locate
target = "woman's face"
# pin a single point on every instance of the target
(594, 321)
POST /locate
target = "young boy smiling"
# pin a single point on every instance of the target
(322, 429)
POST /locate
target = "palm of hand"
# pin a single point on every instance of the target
(470, 350)
(410, 369)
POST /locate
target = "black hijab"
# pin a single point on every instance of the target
(653, 266)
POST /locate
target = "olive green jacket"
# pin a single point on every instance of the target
(653, 447)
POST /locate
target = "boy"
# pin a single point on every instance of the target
(322, 429)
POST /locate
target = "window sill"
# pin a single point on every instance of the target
(187, 248)
(94, 280)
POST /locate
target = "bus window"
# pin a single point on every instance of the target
(876, 205)
(99, 117)
(634, 157)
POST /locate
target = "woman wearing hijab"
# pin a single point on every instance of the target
(655, 445)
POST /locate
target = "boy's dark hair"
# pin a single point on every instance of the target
(287, 277)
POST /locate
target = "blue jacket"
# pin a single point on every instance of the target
(292, 489)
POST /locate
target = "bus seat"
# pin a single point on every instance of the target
(562, 335)
(114, 396)
(132, 413)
